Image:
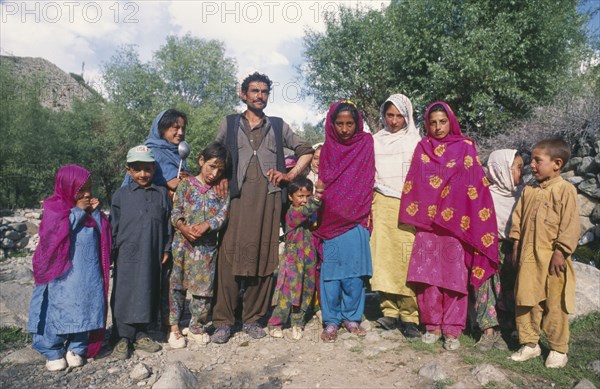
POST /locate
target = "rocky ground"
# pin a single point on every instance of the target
(381, 359)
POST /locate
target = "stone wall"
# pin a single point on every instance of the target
(583, 171)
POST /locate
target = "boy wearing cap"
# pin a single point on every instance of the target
(141, 244)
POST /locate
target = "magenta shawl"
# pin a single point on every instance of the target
(51, 257)
(347, 168)
(446, 188)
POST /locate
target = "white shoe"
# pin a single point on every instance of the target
(525, 353)
(56, 364)
(430, 338)
(556, 360)
(297, 332)
(202, 338)
(176, 342)
(73, 359)
(276, 332)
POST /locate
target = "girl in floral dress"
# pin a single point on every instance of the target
(198, 214)
(296, 277)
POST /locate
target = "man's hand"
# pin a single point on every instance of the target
(222, 187)
(515, 254)
(276, 177)
(165, 258)
(557, 263)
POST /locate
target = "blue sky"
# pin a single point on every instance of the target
(261, 35)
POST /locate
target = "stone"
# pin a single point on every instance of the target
(595, 215)
(584, 224)
(575, 180)
(572, 163)
(487, 373)
(349, 344)
(14, 303)
(22, 243)
(24, 356)
(586, 205)
(7, 243)
(15, 219)
(140, 372)
(590, 187)
(586, 289)
(13, 235)
(594, 365)
(19, 227)
(366, 324)
(372, 337)
(433, 371)
(176, 375)
(584, 384)
(588, 165)
(113, 370)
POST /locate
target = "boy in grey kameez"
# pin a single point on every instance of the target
(141, 244)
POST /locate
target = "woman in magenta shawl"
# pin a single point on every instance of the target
(71, 264)
(347, 169)
(447, 197)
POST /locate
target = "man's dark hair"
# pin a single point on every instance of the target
(256, 76)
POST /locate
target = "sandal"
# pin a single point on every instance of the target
(329, 334)
(176, 340)
(354, 328)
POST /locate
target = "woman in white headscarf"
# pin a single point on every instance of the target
(504, 170)
(391, 243)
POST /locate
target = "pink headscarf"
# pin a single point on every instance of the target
(446, 189)
(347, 168)
(51, 257)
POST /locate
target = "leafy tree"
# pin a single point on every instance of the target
(186, 73)
(492, 60)
(312, 133)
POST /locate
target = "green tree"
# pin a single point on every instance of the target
(186, 73)
(491, 60)
(312, 133)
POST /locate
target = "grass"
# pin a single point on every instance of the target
(13, 337)
(584, 348)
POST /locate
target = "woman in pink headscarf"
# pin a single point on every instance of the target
(347, 169)
(446, 196)
(71, 265)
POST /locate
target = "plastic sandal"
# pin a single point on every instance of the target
(329, 334)
(354, 328)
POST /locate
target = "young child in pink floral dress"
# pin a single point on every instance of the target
(296, 278)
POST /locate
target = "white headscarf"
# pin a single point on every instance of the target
(393, 151)
(503, 188)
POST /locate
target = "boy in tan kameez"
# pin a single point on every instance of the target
(545, 229)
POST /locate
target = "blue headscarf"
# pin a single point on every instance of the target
(165, 153)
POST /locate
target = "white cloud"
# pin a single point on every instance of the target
(261, 35)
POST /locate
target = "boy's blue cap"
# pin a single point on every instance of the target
(140, 153)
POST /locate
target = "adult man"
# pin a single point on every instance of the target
(248, 254)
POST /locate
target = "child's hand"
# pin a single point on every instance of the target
(515, 254)
(319, 186)
(84, 203)
(200, 229)
(94, 204)
(188, 232)
(557, 263)
(164, 258)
